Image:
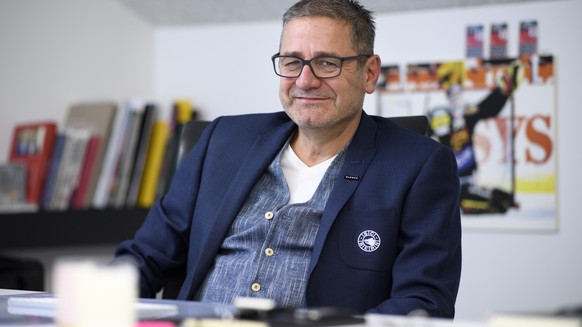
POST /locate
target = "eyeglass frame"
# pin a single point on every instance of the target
(305, 62)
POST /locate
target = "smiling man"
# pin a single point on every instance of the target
(319, 205)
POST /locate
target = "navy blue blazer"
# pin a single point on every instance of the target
(398, 184)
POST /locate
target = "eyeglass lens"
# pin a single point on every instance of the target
(320, 66)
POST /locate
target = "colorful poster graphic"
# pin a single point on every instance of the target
(498, 41)
(475, 41)
(498, 117)
(528, 38)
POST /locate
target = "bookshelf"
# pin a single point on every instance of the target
(90, 219)
(68, 228)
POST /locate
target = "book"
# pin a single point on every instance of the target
(122, 178)
(69, 168)
(87, 168)
(12, 184)
(145, 130)
(32, 145)
(53, 169)
(96, 117)
(153, 164)
(107, 175)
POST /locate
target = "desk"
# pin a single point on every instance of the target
(191, 309)
(8, 292)
(44, 317)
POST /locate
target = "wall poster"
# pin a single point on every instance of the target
(499, 118)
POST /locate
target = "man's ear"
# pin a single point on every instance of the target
(373, 67)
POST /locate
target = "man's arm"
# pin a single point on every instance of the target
(161, 244)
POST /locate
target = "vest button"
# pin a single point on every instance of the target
(256, 287)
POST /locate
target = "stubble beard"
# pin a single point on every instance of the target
(311, 116)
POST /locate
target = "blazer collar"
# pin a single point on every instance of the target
(359, 154)
(258, 158)
(252, 167)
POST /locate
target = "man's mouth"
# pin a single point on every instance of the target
(310, 98)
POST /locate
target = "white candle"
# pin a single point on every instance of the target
(93, 295)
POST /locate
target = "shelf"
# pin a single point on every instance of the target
(66, 228)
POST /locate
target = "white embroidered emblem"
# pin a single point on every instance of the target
(369, 241)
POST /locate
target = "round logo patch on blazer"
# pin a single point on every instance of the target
(369, 241)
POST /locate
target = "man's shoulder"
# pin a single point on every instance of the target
(252, 125)
(272, 118)
(388, 126)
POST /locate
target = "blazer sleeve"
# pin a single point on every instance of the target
(161, 243)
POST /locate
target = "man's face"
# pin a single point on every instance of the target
(318, 103)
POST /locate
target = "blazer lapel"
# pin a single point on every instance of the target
(250, 170)
(359, 154)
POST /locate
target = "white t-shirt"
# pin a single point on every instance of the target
(302, 179)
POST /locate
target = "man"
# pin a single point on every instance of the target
(322, 205)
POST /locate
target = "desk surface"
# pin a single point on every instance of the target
(39, 309)
(4, 292)
(191, 309)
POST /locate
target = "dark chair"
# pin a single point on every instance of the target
(21, 274)
(192, 131)
(418, 123)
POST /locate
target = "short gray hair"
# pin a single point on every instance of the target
(358, 18)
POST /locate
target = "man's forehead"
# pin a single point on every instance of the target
(316, 31)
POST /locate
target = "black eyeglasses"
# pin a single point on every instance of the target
(321, 67)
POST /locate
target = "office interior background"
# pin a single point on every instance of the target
(56, 53)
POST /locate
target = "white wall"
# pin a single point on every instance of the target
(54, 53)
(226, 69)
(223, 69)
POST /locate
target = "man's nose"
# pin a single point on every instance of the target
(307, 78)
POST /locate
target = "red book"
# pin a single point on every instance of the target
(32, 145)
(89, 163)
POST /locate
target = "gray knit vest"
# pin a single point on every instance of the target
(268, 248)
